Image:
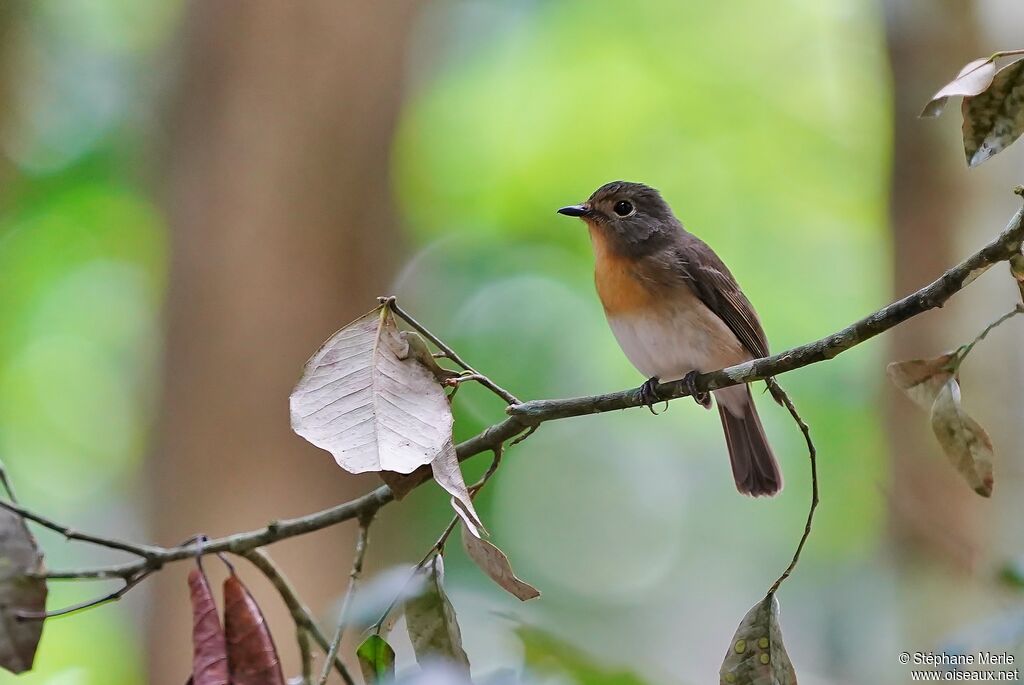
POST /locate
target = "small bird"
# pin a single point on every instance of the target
(676, 311)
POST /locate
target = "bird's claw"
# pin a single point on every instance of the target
(701, 398)
(649, 394)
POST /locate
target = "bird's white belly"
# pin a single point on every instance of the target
(677, 340)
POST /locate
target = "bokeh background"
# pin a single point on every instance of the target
(193, 195)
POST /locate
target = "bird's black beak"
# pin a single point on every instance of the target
(575, 210)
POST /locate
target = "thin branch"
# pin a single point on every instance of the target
(304, 624)
(6, 483)
(812, 455)
(449, 353)
(438, 547)
(966, 349)
(358, 557)
(117, 594)
(527, 415)
(144, 551)
(305, 655)
(929, 297)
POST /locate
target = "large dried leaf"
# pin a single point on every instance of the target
(495, 564)
(20, 560)
(449, 476)
(548, 654)
(430, 619)
(973, 79)
(209, 649)
(252, 657)
(376, 660)
(368, 402)
(995, 118)
(922, 379)
(963, 440)
(756, 655)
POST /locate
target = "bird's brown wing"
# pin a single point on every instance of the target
(710, 280)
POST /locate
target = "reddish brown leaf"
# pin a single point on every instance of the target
(209, 651)
(252, 657)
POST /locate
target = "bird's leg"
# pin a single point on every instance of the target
(649, 394)
(690, 383)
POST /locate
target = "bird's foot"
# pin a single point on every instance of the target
(649, 394)
(701, 398)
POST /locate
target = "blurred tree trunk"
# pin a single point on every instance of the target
(9, 14)
(932, 513)
(282, 230)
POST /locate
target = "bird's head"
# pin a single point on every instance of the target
(628, 215)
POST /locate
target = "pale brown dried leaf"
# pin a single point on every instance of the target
(449, 476)
(973, 79)
(431, 621)
(922, 379)
(20, 591)
(364, 399)
(496, 565)
(757, 655)
(994, 118)
(963, 440)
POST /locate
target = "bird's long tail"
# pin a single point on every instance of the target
(753, 465)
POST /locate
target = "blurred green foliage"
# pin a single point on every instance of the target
(767, 129)
(82, 271)
(766, 126)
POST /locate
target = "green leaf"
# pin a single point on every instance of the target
(756, 655)
(547, 654)
(430, 619)
(376, 660)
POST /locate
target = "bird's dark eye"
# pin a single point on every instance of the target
(623, 208)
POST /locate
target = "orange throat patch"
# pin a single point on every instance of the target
(618, 282)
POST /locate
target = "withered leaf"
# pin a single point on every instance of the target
(402, 484)
(922, 379)
(376, 660)
(449, 476)
(994, 118)
(430, 619)
(756, 655)
(495, 564)
(368, 402)
(20, 559)
(209, 649)
(252, 657)
(416, 348)
(963, 440)
(973, 79)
